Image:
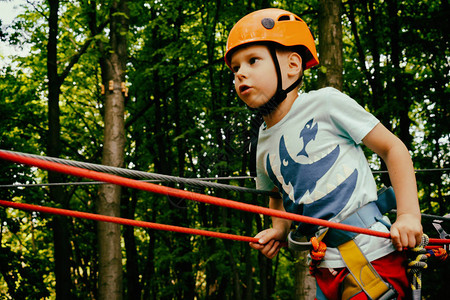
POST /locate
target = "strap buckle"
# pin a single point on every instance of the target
(297, 243)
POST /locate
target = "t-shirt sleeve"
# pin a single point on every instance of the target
(348, 116)
(263, 181)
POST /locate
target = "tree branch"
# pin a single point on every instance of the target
(149, 104)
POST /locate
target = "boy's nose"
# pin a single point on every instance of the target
(241, 74)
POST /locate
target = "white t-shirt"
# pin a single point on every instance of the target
(313, 155)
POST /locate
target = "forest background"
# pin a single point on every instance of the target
(142, 85)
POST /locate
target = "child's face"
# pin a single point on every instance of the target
(255, 78)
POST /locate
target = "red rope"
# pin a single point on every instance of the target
(123, 221)
(154, 188)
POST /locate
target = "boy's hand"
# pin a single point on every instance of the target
(406, 231)
(269, 242)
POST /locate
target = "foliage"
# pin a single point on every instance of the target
(184, 119)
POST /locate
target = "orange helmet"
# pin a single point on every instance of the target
(272, 25)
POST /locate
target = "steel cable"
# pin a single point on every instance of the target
(145, 175)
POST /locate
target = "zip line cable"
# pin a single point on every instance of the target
(428, 216)
(159, 178)
(101, 182)
(154, 188)
(156, 178)
(221, 186)
(144, 175)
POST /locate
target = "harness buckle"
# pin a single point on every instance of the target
(298, 243)
(390, 294)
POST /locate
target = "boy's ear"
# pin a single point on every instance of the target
(295, 63)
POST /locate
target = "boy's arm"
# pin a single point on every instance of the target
(407, 229)
(280, 224)
(270, 239)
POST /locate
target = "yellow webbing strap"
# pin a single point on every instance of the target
(362, 274)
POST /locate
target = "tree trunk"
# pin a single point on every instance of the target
(306, 290)
(113, 73)
(59, 224)
(330, 44)
(265, 265)
(132, 263)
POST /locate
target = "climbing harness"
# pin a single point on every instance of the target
(362, 276)
(364, 217)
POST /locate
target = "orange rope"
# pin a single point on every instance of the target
(154, 188)
(123, 221)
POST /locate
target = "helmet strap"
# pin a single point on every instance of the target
(280, 95)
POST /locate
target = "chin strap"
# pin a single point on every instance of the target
(280, 94)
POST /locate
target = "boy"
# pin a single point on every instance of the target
(308, 150)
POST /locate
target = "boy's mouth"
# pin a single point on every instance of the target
(243, 88)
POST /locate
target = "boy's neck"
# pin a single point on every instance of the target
(281, 111)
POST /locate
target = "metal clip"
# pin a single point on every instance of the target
(442, 234)
(295, 243)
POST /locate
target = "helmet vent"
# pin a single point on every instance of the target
(284, 18)
(289, 18)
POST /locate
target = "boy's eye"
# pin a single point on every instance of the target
(235, 69)
(253, 60)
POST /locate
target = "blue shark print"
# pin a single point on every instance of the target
(330, 205)
(308, 133)
(304, 177)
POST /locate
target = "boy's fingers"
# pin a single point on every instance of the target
(271, 249)
(396, 239)
(414, 239)
(397, 245)
(256, 246)
(274, 249)
(267, 243)
(418, 238)
(265, 236)
(405, 240)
